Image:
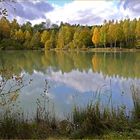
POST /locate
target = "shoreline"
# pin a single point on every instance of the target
(95, 50)
(81, 50)
(115, 50)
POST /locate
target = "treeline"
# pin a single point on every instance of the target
(111, 34)
(124, 33)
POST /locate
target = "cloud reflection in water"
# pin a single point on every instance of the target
(77, 87)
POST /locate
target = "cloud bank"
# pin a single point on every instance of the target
(74, 12)
(95, 12)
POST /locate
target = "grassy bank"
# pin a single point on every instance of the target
(115, 50)
(77, 50)
(95, 50)
(90, 122)
(93, 121)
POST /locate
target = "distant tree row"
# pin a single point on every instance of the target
(114, 34)
(111, 34)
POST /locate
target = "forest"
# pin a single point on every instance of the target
(121, 34)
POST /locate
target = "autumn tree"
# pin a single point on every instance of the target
(96, 36)
(36, 41)
(76, 39)
(19, 35)
(120, 33)
(111, 34)
(27, 38)
(60, 38)
(126, 30)
(103, 35)
(133, 24)
(68, 32)
(53, 39)
(137, 29)
(4, 28)
(115, 33)
(48, 44)
(27, 35)
(45, 36)
(14, 25)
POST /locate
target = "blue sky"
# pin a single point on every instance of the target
(59, 2)
(85, 12)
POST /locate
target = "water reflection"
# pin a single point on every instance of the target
(121, 64)
(74, 77)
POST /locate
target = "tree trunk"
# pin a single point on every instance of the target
(111, 45)
(126, 41)
(115, 44)
(104, 45)
(120, 45)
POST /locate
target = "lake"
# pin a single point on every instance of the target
(74, 78)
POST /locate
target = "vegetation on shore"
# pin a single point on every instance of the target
(121, 34)
(93, 121)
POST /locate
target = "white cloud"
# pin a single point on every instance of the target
(76, 11)
(84, 12)
(94, 12)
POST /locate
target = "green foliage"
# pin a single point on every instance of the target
(10, 44)
(27, 27)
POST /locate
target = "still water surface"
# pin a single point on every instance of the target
(74, 77)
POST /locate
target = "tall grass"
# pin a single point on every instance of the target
(94, 120)
(136, 102)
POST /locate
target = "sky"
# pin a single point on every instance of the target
(84, 12)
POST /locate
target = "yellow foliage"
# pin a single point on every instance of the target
(45, 36)
(96, 37)
(27, 35)
(19, 35)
